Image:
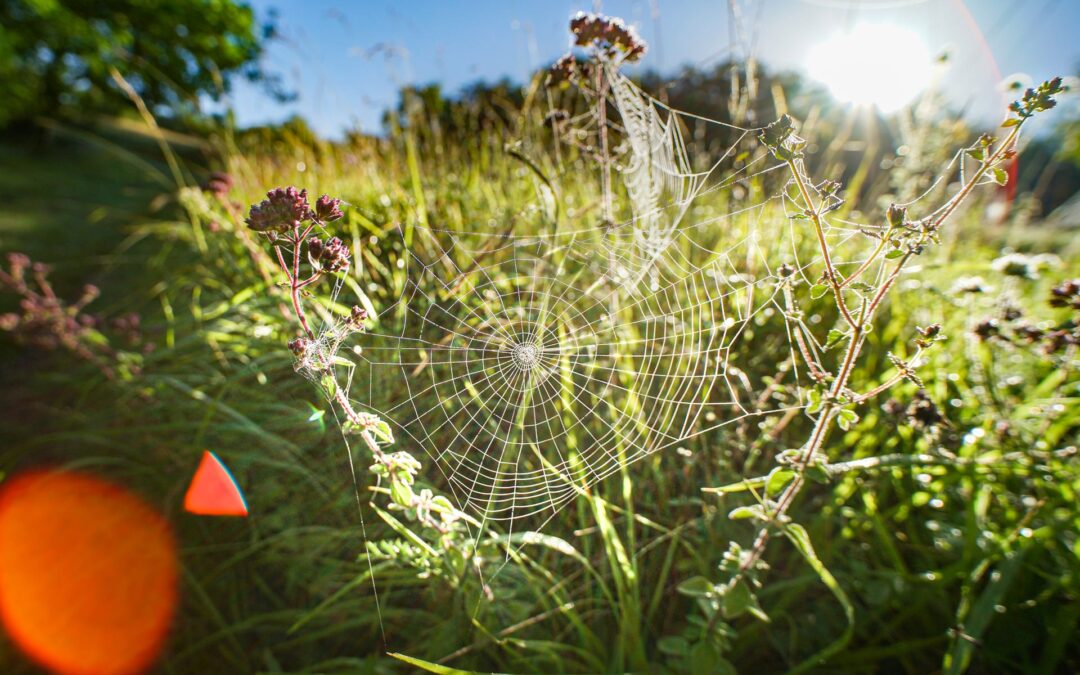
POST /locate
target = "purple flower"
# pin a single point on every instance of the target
(327, 209)
(283, 209)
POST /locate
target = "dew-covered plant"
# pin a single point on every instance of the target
(295, 230)
(834, 402)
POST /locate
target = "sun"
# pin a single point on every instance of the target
(882, 65)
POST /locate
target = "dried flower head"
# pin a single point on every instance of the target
(610, 34)
(1061, 338)
(328, 209)
(46, 321)
(562, 70)
(1030, 333)
(1035, 100)
(987, 329)
(331, 255)
(1023, 265)
(1066, 294)
(283, 209)
(356, 319)
(965, 285)
(922, 413)
(928, 335)
(299, 347)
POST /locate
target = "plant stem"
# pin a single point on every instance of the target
(869, 261)
(823, 422)
(815, 218)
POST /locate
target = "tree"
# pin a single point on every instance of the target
(56, 56)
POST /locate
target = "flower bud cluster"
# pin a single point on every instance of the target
(331, 255)
(610, 34)
(286, 208)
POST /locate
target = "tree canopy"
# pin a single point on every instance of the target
(56, 56)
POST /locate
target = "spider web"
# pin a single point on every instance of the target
(529, 366)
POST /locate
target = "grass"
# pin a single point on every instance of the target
(906, 559)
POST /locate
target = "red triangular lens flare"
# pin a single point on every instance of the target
(213, 490)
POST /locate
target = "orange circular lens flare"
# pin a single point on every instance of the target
(88, 573)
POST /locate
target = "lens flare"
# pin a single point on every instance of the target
(213, 490)
(88, 573)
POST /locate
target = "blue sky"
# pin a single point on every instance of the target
(347, 58)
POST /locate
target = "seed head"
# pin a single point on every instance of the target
(896, 215)
(928, 335)
(562, 70)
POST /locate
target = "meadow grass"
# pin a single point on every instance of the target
(915, 560)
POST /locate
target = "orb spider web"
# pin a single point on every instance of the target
(529, 366)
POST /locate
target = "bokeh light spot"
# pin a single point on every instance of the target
(88, 573)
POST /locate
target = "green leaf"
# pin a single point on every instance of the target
(977, 620)
(999, 175)
(835, 337)
(744, 512)
(429, 667)
(741, 486)
(799, 537)
(697, 587)
(846, 418)
(401, 493)
(456, 559)
(894, 254)
(1011, 122)
(703, 657)
(673, 645)
(382, 431)
(329, 384)
(817, 473)
(777, 480)
(737, 599)
(818, 290)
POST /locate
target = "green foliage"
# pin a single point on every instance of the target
(58, 57)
